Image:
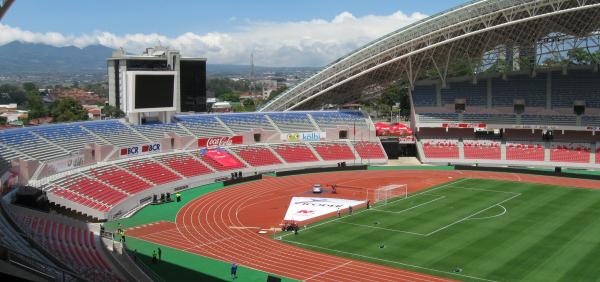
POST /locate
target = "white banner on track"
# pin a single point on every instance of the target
(304, 208)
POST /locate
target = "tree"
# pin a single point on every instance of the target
(230, 97)
(392, 95)
(112, 112)
(29, 87)
(11, 94)
(3, 120)
(249, 105)
(35, 105)
(580, 56)
(276, 92)
(67, 109)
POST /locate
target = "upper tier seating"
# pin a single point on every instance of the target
(243, 122)
(88, 192)
(524, 151)
(570, 152)
(151, 170)
(70, 136)
(598, 155)
(531, 89)
(184, 164)
(203, 125)
(256, 155)
(24, 141)
(331, 151)
(327, 119)
(295, 152)
(576, 85)
(291, 122)
(424, 96)
(157, 131)
(590, 121)
(369, 150)
(553, 120)
(437, 118)
(73, 246)
(115, 132)
(474, 94)
(482, 149)
(490, 118)
(440, 149)
(120, 178)
(8, 154)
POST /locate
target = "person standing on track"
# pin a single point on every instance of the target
(349, 210)
(234, 268)
(338, 212)
(153, 257)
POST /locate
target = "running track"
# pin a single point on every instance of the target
(224, 224)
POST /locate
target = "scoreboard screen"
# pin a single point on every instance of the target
(154, 91)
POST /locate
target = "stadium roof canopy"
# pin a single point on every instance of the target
(477, 35)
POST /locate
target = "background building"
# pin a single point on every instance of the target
(157, 84)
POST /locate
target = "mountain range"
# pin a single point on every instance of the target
(18, 58)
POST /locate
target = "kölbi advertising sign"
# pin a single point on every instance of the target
(220, 141)
(303, 136)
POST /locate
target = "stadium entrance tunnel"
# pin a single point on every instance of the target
(394, 149)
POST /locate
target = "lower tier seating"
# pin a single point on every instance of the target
(525, 151)
(256, 155)
(221, 160)
(334, 151)
(185, 165)
(488, 150)
(575, 153)
(120, 178)
(369, 150)
(152, 171)
(295, 152)
(88, 192)
(440, 149)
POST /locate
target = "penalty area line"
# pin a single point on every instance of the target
(413, 207)
(469, 216)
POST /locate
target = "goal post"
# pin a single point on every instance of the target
(390, 192)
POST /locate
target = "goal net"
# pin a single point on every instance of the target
(390, 192)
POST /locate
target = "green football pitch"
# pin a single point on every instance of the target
(473, 230)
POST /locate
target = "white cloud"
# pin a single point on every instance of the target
(302, 43)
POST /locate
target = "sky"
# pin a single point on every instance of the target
(278, 32)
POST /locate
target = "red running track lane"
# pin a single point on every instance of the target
(224, 224)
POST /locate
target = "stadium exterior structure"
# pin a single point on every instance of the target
(478, 34)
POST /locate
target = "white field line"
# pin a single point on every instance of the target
(383, 228)
(492, 216)
(486, 190)
(401, 211)
(328, 270)
(364, 210)
(391, 261)
(472, 215)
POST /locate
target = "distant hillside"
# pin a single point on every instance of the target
(27, 58)
(17, 57)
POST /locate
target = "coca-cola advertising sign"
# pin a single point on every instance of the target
(220, 141)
